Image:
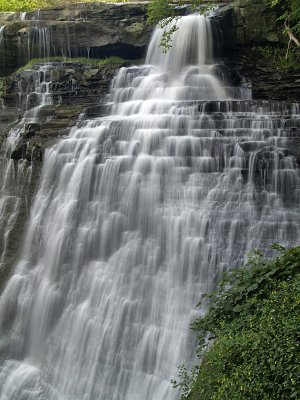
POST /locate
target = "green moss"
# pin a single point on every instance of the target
(276, 57)
(99, 63)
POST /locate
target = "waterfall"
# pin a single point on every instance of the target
(1, 34)
(23, 16)
(2, 37)
(39, 41)
(137, 214)
(15, 175)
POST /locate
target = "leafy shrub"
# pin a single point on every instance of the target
(253, 318)
(289, 11)
(276, 56)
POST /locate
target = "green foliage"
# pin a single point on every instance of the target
(187, 380)
(2, 85)
(29, 5)
(170, 27)
(253, 317)
(288, 10)
(276, 56)
(99, 63)
(161, 12)
(21, 5)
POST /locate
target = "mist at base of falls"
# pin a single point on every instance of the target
(137, 215)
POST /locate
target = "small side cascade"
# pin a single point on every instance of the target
(137, 215)
(23, 16)
(17, 150)
(1, 44)
(39, 42)
(1, 34)
(2, 28)
(39, 39)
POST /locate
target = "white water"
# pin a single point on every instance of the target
(23, 16)
(39, 42)
(2, 36)
(136, 216)
(15, 176)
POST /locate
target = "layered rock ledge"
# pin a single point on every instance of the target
(95, 30)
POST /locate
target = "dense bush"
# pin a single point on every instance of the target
(253, 321)
(21, 5)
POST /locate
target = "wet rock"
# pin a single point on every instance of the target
(92, 74)
(244, 26)
(94, 30)
(35, 153)
(31, 129)
(19, 153)
(69, 80)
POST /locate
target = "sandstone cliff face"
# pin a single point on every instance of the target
(78, 30)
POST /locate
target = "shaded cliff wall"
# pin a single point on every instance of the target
(246, 26)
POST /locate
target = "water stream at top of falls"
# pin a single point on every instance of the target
(137, 214)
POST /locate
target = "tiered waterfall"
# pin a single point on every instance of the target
(137, 214)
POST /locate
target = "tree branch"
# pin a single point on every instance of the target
(291, 37)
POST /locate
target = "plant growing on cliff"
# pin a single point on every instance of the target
(253, 317)
(276, 57)
(165, 15)
(289, 14)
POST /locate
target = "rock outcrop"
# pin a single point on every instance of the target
(98, 30)
(95, 30)
(246, 26)
(75, 89)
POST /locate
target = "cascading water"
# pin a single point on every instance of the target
(15, 175)
(137, 214)
(23, 16)
(39, 39)
(1, 34)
